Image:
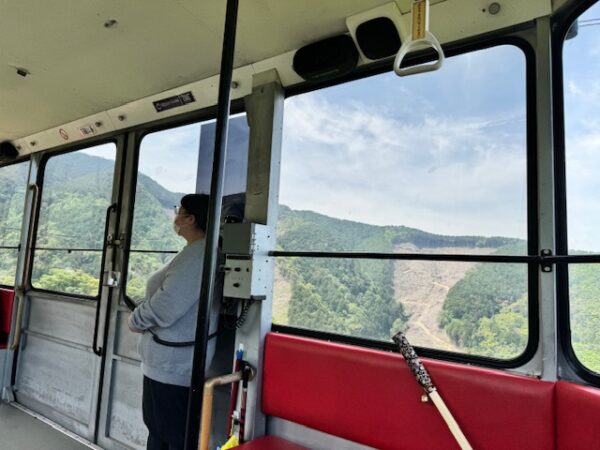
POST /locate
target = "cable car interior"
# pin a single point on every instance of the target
(382, 174)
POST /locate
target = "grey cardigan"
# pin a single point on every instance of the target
(170, 310)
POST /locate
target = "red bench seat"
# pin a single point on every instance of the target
(371, 397)
(577, 415)
(6, 304)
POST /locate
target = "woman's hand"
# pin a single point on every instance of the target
(131, 326)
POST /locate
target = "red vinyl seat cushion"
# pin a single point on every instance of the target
(371, 397)
(577, 416)
(6, 304)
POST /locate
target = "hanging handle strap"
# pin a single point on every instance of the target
(421, 38)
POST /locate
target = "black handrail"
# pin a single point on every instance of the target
(571, 259)
(541, 259)
(411, 256)
(28, 260)
(154, 251)
(69, 249)
(98, 350)
(20, 290)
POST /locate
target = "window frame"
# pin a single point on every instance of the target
(40, 176)
(20, 160)
(139, 139)
(533, 268)
(572, 367)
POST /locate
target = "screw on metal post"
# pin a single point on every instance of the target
(546, 266)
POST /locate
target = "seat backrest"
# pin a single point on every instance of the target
(372, 398)
(6, 303)
(577, 416)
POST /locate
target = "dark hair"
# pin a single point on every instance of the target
(197, 206)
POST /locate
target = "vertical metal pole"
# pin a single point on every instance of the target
(546, 200)
(212, 232)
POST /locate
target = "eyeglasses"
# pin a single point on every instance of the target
(179, 211)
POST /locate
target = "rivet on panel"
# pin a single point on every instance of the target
(110, 23)
(494, 8)
(22, 71)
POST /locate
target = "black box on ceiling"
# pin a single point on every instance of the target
(378, 38)
(326, 59)
(8, 151)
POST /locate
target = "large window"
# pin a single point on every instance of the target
(433, 164)
(582, 132)
(168, 165)
(76, 193)
(173, 163)
(13, 182)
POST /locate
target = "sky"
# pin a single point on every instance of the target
(582, 132)
(443, 151)
(171, 157)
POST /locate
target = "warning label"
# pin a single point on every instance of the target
(174, 102)
(87, 130)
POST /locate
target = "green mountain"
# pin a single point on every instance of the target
(484, 313)
(344, 296)
(75, 197)
(356, 236)
(13, 181)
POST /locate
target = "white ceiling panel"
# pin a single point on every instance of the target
(78, 67)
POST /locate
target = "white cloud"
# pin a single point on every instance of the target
(170, 157)
(104, 151)
(582, 122)
(583, 190)
(441, 174)
(574, 89)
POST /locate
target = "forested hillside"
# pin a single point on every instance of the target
(483, 313)
(76, 194)
(341, 296)
(13, 181)
(486, 312)
(357, 296)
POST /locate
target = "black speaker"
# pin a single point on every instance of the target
(326, 59)
(378, 38)
(8, 151)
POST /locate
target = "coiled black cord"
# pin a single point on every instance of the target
(228, 325)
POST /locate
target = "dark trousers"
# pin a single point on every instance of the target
(165, 409)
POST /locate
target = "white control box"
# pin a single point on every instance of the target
(243, 279)
(247, 261)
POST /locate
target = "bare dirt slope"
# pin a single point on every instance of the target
(422, 286)
(282, 294)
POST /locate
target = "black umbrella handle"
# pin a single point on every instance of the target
(413, 361)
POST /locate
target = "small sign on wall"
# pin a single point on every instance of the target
(174, 101)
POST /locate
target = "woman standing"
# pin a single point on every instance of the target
(168, 314)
